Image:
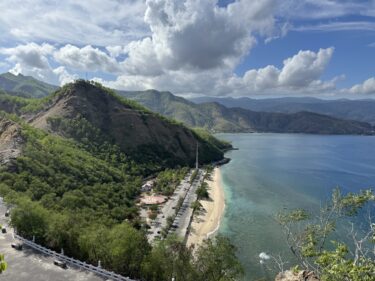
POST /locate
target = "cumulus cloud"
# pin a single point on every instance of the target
(86, 59)
(305, 67)
(187, 47)
(195, 34)
(33, 59)
(301, 72)
(31, 55)
(365, 88)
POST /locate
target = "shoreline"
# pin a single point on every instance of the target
(207, 223)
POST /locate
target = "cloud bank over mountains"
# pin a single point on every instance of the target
(187, 47)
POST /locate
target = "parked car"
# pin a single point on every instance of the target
(17, 246)
(7, 213)
(60, 263)
(3, 230)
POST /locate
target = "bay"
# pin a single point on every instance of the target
(272, 172)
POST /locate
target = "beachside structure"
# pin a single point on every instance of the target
(147, 186)
(153, 200)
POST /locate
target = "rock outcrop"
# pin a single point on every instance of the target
(10, 140)
(297, 276)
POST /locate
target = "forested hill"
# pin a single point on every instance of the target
(26, 86)
(92, 114)
(72, 165)
(216, 117)
(285, 115)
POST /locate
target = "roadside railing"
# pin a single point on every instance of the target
(83, 265)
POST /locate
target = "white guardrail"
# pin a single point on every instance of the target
(95, 269)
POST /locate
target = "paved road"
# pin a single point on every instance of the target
(183, 218)
(168, 208)
(28, 265)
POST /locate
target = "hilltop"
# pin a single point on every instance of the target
(90, 113)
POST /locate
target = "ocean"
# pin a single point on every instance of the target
(273, 172)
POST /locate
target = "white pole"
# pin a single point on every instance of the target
(196, 158)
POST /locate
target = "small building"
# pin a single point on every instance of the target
(147, 186)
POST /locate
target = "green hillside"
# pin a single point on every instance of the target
(26, 86)
(72, 165)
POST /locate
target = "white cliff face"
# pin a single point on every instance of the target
(296, 276)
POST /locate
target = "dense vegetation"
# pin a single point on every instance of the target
(167, 180)
(312, 238)
(81, 196)
(214, 260)
(77, 189)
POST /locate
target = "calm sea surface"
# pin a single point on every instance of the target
(271, 172)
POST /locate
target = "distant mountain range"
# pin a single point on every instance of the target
(360, 110)
(284, 115)
(26, 86)
(216, 117)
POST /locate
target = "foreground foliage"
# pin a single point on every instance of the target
(214, 260)
(312, 238)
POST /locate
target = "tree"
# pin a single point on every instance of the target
(30, 219)
(202, 191)
(127, 249)
(310, 239)
(3, 264)
(216, 261)
(169, 259)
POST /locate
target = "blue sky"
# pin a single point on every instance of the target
(257, 48)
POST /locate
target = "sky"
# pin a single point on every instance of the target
(225, 48)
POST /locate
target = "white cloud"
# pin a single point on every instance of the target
(31, 55)
(187, 47)
(115, 51)
(304, 68)
(300, 73)
(33, 59)
(338, 26)
(365, 88)
(198, 34)
(102, 23)
(63, 75)
(323, 9)
(86, 59)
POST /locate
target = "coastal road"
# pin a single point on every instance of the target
(168, 209)
(183, 219)
(29, 265)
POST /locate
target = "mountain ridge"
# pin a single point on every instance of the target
(216, 117)
(26, 86)
(359, 110)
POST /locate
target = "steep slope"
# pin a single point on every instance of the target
(359, 110)
(218, 118)
(10, 140)
(138, 132)
(25, 85)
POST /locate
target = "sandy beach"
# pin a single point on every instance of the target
(208, 221)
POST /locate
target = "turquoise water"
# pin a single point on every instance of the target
(270, 172)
